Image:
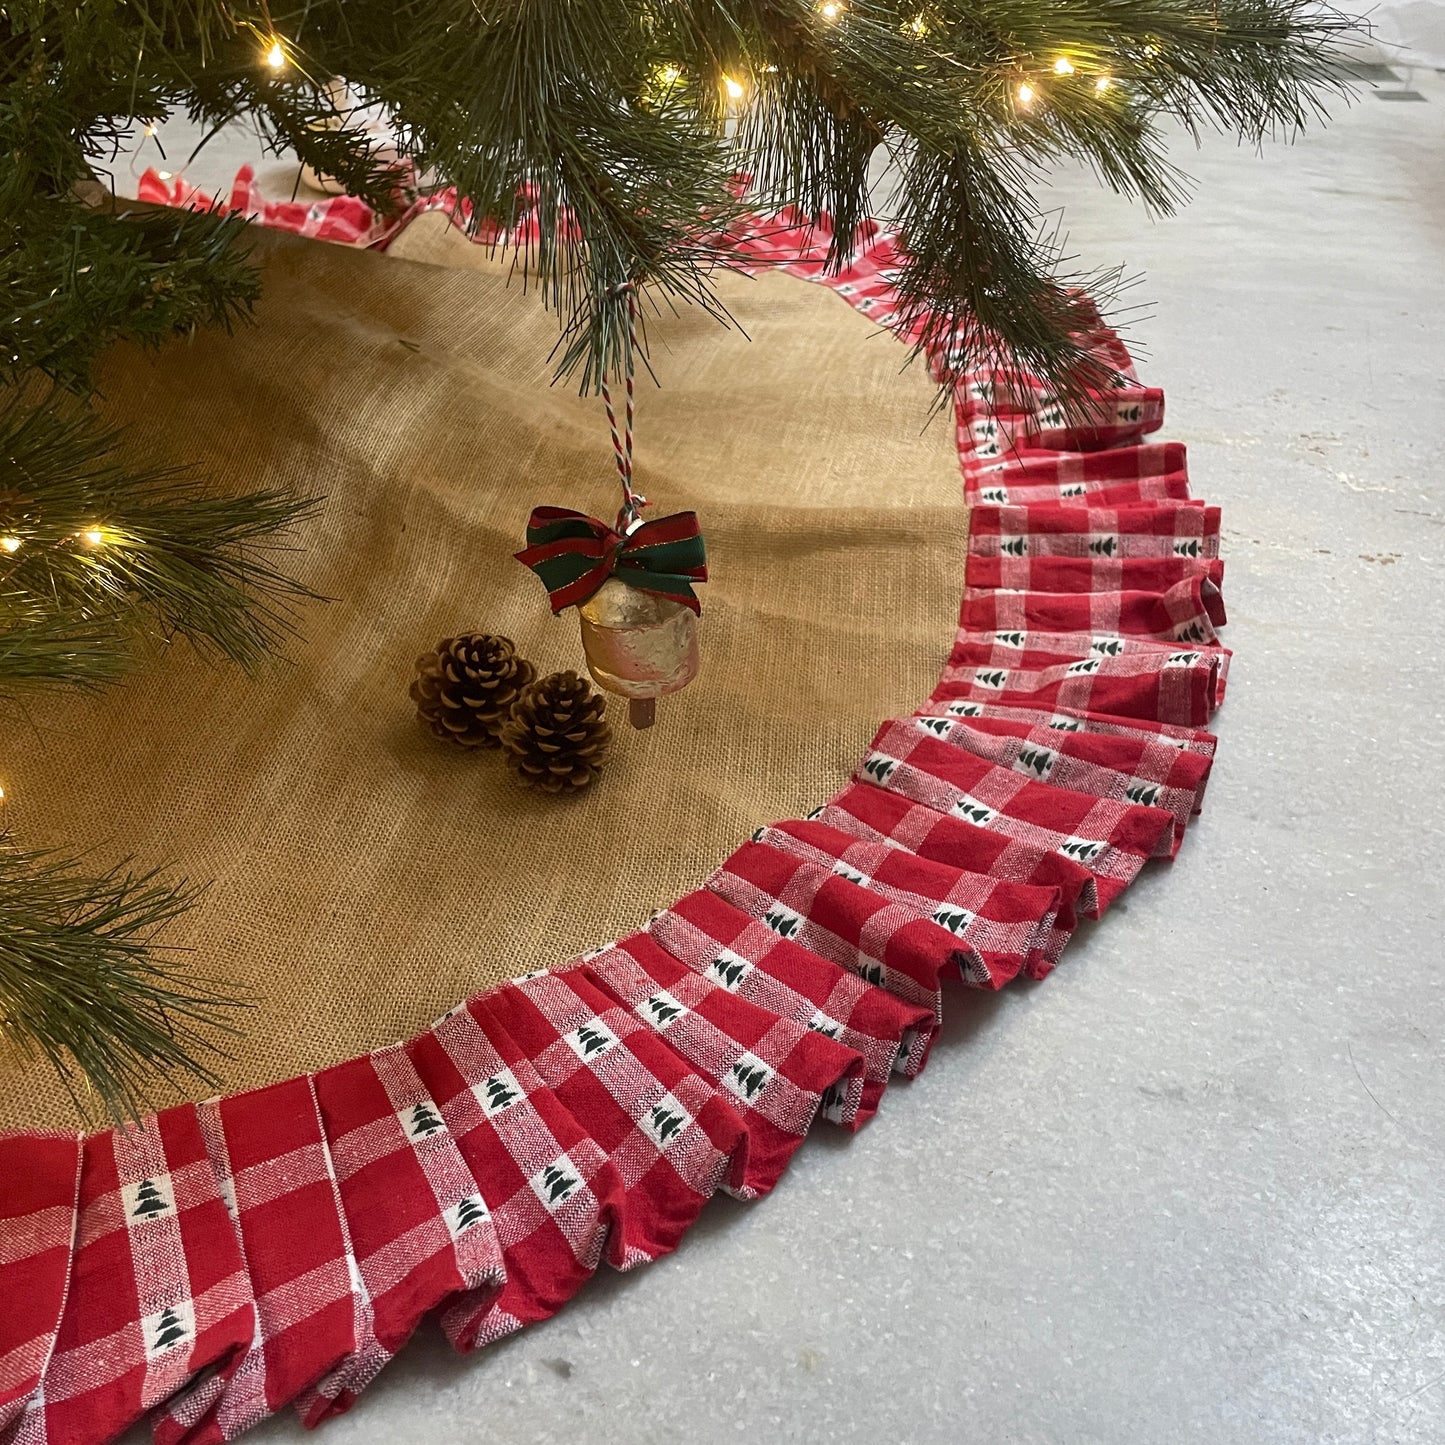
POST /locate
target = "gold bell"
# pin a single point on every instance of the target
(638, 645)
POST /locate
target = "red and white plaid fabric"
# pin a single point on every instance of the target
(734, 1044)
(342, 220)
(157, 1293)
(1112, 840)
(746, 957)
(1192, 740)
(1155, 774)
(1033, 650)
(39, 1199)
(1173, 488)
(419, 1227)
(280, 1246)
(1146, 529)
(991, 732)
(1090, 574)
(991, 422)
(1005, 925)
(875, 813)
(883, 942)
(1029, 466)
(268, 1155)
(1181, 687)
(670, 1134)
(1037, 524)
(555, 1200)
(1190, 611)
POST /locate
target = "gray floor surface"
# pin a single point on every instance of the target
(1193, 1186)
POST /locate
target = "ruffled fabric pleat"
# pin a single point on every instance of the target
(277, 1248)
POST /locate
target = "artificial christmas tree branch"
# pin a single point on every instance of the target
(555, 107)
(82, 986)
(97, 550)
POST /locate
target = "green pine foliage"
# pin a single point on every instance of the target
(615, 119)
(83, 987)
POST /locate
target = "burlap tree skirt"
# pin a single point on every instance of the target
(278, 1245)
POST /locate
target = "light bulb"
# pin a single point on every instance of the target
(918, 25)
(1102, 83)
(10, 544)
(831, 10)
(275, 56)
(669, 75)
(1063, 66)
(1026, 94)
(164, 175)
(150, 129)
(734, 90)
(93, 535)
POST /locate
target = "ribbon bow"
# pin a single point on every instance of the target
(574, 554)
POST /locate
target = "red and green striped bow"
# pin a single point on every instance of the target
(574, 554)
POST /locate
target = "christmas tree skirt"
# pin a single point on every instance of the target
(278, 1245)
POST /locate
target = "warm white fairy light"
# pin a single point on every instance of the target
(669, 75)
(10, 544)
(92, 536)
(1102, 83)
(830, 10)
(1026, 94)
(164, 175)
(1063, 66)
(276, 56)
(733, 88)
(918, 25)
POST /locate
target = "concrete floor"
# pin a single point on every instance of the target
(1193, 1187)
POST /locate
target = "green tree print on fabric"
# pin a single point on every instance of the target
(169, 1331)
(469, 1211)
(423, 1122)
(148, 1201)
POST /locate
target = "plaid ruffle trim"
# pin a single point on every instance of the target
(278, 1247)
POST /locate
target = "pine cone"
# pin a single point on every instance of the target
(464, 690)
(557, 736)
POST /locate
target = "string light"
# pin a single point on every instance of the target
(1063, 66)
(1102, 83)
(734, 90)
(669, 75)
(92, 536)
(10, 544)
(831, 10)
(918, 25)
(164, 175)
(276, 56)
(1026, 94)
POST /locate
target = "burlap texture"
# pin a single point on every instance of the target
(365, 876)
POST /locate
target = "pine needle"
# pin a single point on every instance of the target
(84, 986)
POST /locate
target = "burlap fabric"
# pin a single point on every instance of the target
(365, 876)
